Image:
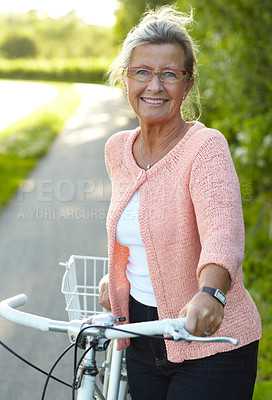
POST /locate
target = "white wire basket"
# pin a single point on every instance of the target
(80, 285)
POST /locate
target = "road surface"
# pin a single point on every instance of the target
(60, 210)
(19, 98)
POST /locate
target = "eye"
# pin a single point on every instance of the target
(169, 74)
(142, 71)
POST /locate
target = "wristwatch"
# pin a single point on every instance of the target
(216, 293)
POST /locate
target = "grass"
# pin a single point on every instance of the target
(263, 391)
(23, 143)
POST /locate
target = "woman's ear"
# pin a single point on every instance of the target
(124, 83)
(189, 86)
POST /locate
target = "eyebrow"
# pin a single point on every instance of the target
(147, 67)
(143, 66)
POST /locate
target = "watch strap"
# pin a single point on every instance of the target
(216, 293)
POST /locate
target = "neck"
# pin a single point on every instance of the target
(159, 152)
(156, 138)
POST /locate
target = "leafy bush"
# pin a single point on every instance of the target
(235, 63)
(18, 46)
(63, 70)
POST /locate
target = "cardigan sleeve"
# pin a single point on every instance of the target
(114, 149)
(215, 193)
(108, 155)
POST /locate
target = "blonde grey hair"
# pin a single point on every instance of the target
(164, 25)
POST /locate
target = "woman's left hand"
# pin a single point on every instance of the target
(204, 315)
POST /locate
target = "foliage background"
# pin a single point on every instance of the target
(235, 64)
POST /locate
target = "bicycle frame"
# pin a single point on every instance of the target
(114, 387)
(100, 327)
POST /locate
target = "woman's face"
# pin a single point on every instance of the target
(157, 102)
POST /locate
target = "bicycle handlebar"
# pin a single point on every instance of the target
(16, 301)
(102, 325)
(9, 312)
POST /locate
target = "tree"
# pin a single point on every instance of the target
(66, 37)
(129, 14)
(235, 67)
(17, 46)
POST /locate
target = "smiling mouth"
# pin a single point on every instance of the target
(154, 101)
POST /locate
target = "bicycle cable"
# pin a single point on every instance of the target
(76, 365)
(33, 365)
(52, 369)
(114, 328)
(77, 342)
(92, 343)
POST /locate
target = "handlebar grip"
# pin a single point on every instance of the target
(7, 310)
(17, 301)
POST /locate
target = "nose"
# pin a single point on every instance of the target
(155, 84)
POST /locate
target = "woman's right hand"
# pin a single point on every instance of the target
(104, 297)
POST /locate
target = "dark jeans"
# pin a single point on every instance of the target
(225, 376)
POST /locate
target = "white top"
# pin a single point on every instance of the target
(128, 234)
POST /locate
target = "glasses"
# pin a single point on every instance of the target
(164, 75)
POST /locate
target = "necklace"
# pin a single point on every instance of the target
(150, 165)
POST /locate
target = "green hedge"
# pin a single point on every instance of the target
(89, 70)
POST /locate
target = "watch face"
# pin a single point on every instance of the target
(221, 297)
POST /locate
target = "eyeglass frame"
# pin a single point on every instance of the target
(185, 77)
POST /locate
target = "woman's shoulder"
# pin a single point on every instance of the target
(202, 134)
(204, 140)
(120, 138)
(117, 145)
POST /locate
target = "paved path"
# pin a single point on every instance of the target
(18, 99)
(60, 210)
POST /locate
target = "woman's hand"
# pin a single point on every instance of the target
(204, 315)
(104, 297)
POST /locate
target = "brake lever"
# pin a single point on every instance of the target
(177, 331)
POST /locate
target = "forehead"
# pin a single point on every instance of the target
(158, 56)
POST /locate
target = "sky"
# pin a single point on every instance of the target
(95, 12)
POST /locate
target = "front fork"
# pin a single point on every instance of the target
(85, 382)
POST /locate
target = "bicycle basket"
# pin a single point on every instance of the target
(80, 285)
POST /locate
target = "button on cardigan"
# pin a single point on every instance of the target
(190, 215)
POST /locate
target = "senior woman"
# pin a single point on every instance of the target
(175, 227)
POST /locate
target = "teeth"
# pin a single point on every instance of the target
(153, 101)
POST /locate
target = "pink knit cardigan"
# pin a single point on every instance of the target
(190, 215)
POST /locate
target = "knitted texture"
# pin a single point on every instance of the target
(190, 215)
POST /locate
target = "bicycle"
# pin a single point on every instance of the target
(94, 331)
